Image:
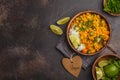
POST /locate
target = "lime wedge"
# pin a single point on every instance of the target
(103, 63)
(99, 73)
(74, 40)
(63, 20)
(55, 29)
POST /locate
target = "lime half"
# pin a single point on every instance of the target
(74, 40)
(57, 30)
(63, 20)
(99, 73)
(111, 70)
(103, 63)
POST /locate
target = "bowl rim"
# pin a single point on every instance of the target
(96, 61)
(113, 14)
(67, 32)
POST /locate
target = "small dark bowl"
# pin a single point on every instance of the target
(69, 26)
(105, 56)
(113, 14)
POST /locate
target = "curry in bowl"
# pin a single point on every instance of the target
(88, 32)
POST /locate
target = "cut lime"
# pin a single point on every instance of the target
(63, 20)
(75, 40)
(55, 29)
(111, 70)
(103, 63)
(99, 73)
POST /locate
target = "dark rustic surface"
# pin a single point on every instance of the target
(27, 46)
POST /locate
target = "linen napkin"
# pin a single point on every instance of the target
(63, 47)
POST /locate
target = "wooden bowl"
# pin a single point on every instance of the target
(69, 26)
(113, 14)
(105, 56)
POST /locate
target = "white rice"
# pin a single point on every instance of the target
(81, 47)
(76, 33)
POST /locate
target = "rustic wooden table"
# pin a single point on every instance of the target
(27, 46)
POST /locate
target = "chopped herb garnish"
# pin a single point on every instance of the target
(82, 28)
(89, 23)
(97, 39)
(91, 33)
(76, 28)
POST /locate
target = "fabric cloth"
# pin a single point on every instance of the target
(63, 47)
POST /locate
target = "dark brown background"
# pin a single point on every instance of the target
(27, 46)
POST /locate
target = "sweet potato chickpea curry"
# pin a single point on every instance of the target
(93, 31)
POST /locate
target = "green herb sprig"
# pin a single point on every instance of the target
(112, 6)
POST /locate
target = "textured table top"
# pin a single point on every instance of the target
(27, 46)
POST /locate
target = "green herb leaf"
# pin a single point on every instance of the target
(112, 6)
(89, 23)
(82, 28)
